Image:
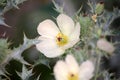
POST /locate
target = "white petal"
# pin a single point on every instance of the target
(65, 24)
(86, 70)
(76, 33)
(48, 28)
(72, 64)
(70, 44)
(74, 37)
(61, 71)
(49, 47)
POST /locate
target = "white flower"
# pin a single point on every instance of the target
(70, 70)
(55, 40)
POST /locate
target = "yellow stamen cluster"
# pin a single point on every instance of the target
(61, 39)
(73, 77)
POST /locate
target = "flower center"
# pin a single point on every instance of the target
(73, 77)
(61, 39)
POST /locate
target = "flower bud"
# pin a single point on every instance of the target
(106, 46)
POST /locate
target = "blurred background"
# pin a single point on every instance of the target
(25, 21)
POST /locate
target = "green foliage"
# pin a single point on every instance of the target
(99, 8)
(4, 51)
(57, 7)
(9, 4)
(42, 67)
(86, 26)
(6, 5)
(2, 22)
(2, 2)
(25, 74)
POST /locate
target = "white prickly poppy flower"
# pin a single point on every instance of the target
(70, 70)
(55, 40)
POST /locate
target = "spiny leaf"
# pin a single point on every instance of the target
(2, 2)
(4, 51)
(25, 74)
(38, 78)
(58, 8)
(43, 60)
(99, 8)
(12, 3)
(2, 22)
(1, 72)
(18, 51)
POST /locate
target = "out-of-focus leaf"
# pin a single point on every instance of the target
(38, 78)
(43, 60)
(4, 51)
(86, 26)
(31, 55)
(16, 2)
(2, 3)
(12, 3)
(2, 22)
(12, 67)
(44, 72)
(1, 72)
(25, 74)
(17, 52)
(99, 8)
(58, 8)
(6, 54)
